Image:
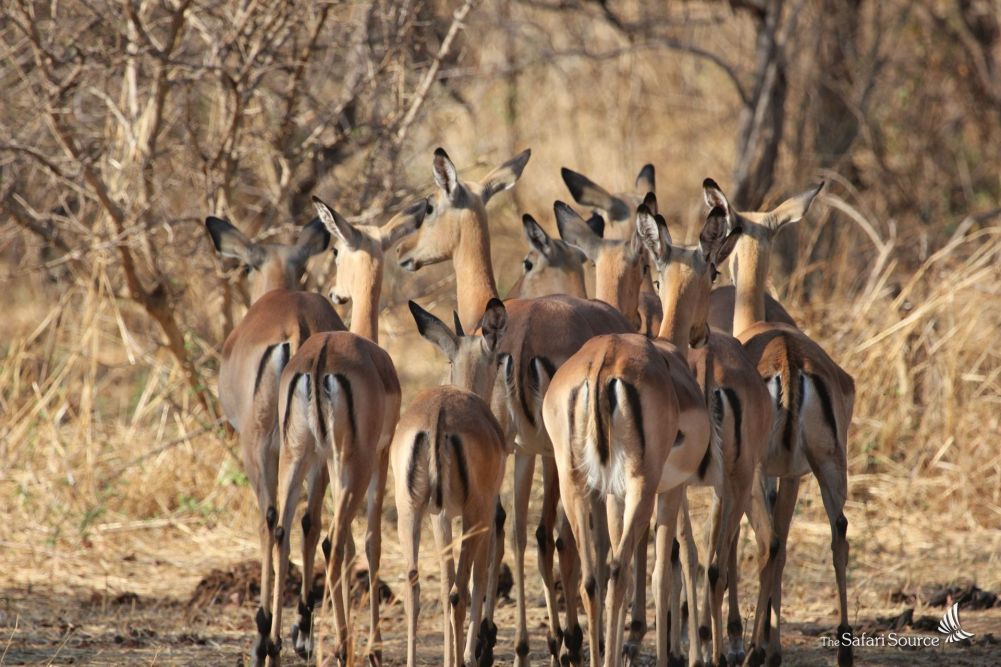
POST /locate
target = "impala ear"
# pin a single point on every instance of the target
(650, 201)
(646, 181)
(576, 232)
(652, 230)
(505, 176)
(445, 174)
(230, 242)
(313, 239)
(712, 234)
(494, 323)
(434, 330)
(588, 193)
(597, 224)
(403, 224)
(536, 235)
(339, 228)
(794, 208)
(714, 195)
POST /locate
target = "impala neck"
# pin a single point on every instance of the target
(677, 323)
(474, 275)
(750, 274)
(365, 311)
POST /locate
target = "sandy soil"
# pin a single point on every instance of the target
(123, 597)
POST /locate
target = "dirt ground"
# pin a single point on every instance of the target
(124, 597)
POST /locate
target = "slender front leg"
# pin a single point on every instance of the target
(689, 565)
(373, 551)
(524, 468)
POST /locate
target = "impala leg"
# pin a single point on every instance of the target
(260, 461)
(602, 549)
(732, 509)
(346, 504)
(614, 510)
(524, 468)
(734, 624)
(408, 525)
(689, 570)
(708, 626)
(316, 488)
(295, 465)
(639, 501)
(488, 630)
(442, 529)
(577, 503)
(676, 589)
(666, 556)
(547, 546)
(373, 552)
(637, 626)
(785, 504)
(760, 516)
(833, 478)
(573, 635)
(482, 558)
(475, 535)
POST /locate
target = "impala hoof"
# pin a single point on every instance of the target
(735, 658)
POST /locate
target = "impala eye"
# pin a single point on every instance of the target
(528, 265)
(656, 284)
(646, 269)
(430, 210)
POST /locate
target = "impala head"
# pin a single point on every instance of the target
(758, 228)
(268, 265)
(359, 249)
(684, 275)
(457, 209)
(551, 266)
(618, 264)
(617, 208)
(472, 359)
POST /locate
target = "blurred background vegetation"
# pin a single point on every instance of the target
(122, 125)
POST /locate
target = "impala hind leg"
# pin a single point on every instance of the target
(475, 525)
(487, 637)
(260, 461)
(689, 570)
(573, 635)
(442, 529)
(482, 557)
(577, 503)
(337, 576)
(785, 505)
(524, 468)
(373, 552)
(637, 626)
(666, 563)
(639, 501)
(316, 488)
(833, 478)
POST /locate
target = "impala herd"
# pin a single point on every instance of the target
(628, 399)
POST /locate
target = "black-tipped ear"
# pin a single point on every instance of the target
(712, 234)
(575, 231)
(597, 224)
(505, 176)
(536, 235)
(434, 330)
(230, 241)
(646, 180)
(445, 174)
(494, 323)
(650, 201)
(714, 196)
(458, 324)
(335, 223)
(313, 239)
(588, 193)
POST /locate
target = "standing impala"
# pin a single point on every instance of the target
(339, 400)
(541, 334)
(813, 399)
(278, 322)
(740, 404)
(448, 459)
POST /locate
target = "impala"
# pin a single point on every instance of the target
(813, 399)
(739, 403)
(339, 401)
(254, 355)
(448, 459)
(541, 334)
